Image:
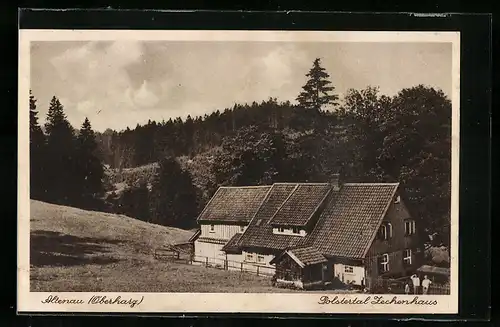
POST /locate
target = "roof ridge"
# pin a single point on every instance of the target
(301, 183)
(295, 247)
(247, 186)
(361, 184)
(281, 206)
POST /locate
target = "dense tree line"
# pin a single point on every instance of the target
(64, 163)
(367, 136)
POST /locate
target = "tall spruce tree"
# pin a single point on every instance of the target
(37, 147)
(90, 172)
(317, 92)
(173, 196)
(61, 156)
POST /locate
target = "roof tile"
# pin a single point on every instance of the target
(259, 232)
(350, 220)
(231, 245)
(308, 255)
(301, 205)
(234, 204)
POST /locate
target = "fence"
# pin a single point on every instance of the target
(378, 285)
(232, 265)
(397, 286)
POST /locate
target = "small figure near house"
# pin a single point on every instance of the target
(407, 288)
(416, 283)
(425, 285)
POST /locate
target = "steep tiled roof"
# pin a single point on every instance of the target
(301, 205)
(234, 204)
(350, 220)
(231, 245)
(259, 232)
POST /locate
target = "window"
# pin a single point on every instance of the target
(407, 257)
(212, 228)
(281, 229)
(260, 259)
(296, 230)
(349, 269)
(249, 257)
(409, 227)
(242, 228)
(382, 232)
(384, 263)
(385, 231)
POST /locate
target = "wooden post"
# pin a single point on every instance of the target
(257, 270)
(206, 261)
(242, 266)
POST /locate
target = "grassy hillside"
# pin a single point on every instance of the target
(86, 251)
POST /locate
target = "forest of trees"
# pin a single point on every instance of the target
(367, 136)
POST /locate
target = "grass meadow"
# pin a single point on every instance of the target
(74, 250)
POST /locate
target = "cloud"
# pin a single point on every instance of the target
(95, 79)
(122, 83)
(86, 107)
(143, 97)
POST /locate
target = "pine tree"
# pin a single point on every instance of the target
(90, 171)
(173, 196)
(134, 202)
(37, 147)
(61, 156)
(317, 91)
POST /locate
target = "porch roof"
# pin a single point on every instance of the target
(303, 256)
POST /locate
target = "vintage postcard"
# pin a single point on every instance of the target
(238, 171)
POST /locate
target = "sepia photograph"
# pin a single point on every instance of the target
(194, 163)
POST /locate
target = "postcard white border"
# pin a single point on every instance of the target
(214, 302)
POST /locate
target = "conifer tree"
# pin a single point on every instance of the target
(60, 155)
(173, 196)
(90, 171)
(317, 92)
(37, 147)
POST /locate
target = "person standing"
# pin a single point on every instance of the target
(407, 288)
(425, 285)
(416, 283)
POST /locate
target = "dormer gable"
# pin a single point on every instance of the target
(298, 212)
(293, 231)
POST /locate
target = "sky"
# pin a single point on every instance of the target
(123, 83)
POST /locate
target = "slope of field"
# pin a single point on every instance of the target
(86, 251)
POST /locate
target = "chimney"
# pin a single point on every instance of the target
(335, 182)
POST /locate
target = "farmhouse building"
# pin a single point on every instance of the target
(312, 233)
(227, 214)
